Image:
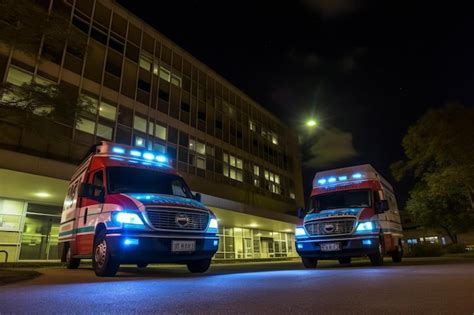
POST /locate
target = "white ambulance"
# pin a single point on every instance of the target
(129, 206)
(353, 212)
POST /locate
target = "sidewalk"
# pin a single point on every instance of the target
(9, 275)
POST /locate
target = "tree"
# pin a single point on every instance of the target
(29, 27)
(440, 157)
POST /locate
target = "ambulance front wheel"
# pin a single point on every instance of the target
(376, 259)
(309, 262)
(104, 264)
(199, 266)
(71, 263)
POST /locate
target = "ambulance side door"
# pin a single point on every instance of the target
(87, 216)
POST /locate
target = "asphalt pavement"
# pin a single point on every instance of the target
(429, 286)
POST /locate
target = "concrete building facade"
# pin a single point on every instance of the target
(147, 92)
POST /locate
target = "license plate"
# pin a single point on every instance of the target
(330, 247)
(183, 246)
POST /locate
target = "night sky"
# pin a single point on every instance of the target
(366, 70)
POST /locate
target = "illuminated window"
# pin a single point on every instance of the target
(275, 139)
(200, 148)
(272, 182)
(256, 170)
(160, 131)
(86, 125)
(292, 195)
(145, 62)
(175, 80)
(201, 163)
(233, 167)
(107, 111)
(140, 142)
(252, 125)
(105, 132)
(90, 101)
(18, 77)
(165, 74)
(139, 123)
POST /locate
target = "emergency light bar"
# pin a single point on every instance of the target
(337, 179)
(146, 155)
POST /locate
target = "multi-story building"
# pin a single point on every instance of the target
(150, 93)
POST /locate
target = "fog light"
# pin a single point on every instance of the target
(367, 242)
(300, 246)
(216, 243)
(131, 241)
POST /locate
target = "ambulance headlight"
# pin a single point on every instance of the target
(365, 227)
(213, 226)
(128, 218)
(300, 232)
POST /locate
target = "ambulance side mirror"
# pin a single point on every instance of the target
(197, 197)
(381, 206)
(93, 192)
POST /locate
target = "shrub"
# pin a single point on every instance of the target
(423, 250)
(455, 248)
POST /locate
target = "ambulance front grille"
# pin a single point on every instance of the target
(333, 227)
(178, 219)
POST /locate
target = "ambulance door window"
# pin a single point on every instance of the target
(98, 179)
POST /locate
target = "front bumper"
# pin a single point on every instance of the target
(350, 247)
(155, 248)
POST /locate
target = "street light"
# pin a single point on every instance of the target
(311, 123)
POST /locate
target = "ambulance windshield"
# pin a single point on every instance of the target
(341, 199)
(136, 180)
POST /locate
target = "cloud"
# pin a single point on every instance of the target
(331, 146)
(332, 8)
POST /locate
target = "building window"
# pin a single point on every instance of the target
(165, 74)
(107, 111)
(200, 148)
(252, 125)
(210, 150)
(160, 131)
(145, 62)
(292, 195)
(233, 167)
(175, 80)
(272, 182)
(200, 163)
(256, 170)
(139, 142)
(139, 123)
(86, 125)
(104, 131)
(275, 139)
(90, 101)
(18, 77)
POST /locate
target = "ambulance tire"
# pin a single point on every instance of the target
(199, 266)
(309, 262)
(345, 260)
(142, 265)
(103, 263)
(71, 263)
(377, 258)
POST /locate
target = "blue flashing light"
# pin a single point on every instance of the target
(118, 150)
(332, 180)
(341, 178)
(162, 159)
(128, 218)
(148, 156)
(135, 153)
(216, 243)
(299, 231)
(367, 242)
(300, 246)
(357, 175)
(321, 181)
(365, 226)
(147, 197)
(131, 241)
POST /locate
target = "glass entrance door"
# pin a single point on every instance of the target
(40, 233)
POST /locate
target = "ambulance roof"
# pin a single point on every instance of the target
(344, 175)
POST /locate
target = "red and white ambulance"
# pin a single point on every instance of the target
(353, 212)
(129, 206)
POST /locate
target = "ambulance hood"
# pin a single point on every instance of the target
(356, 212)
(164, 201)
